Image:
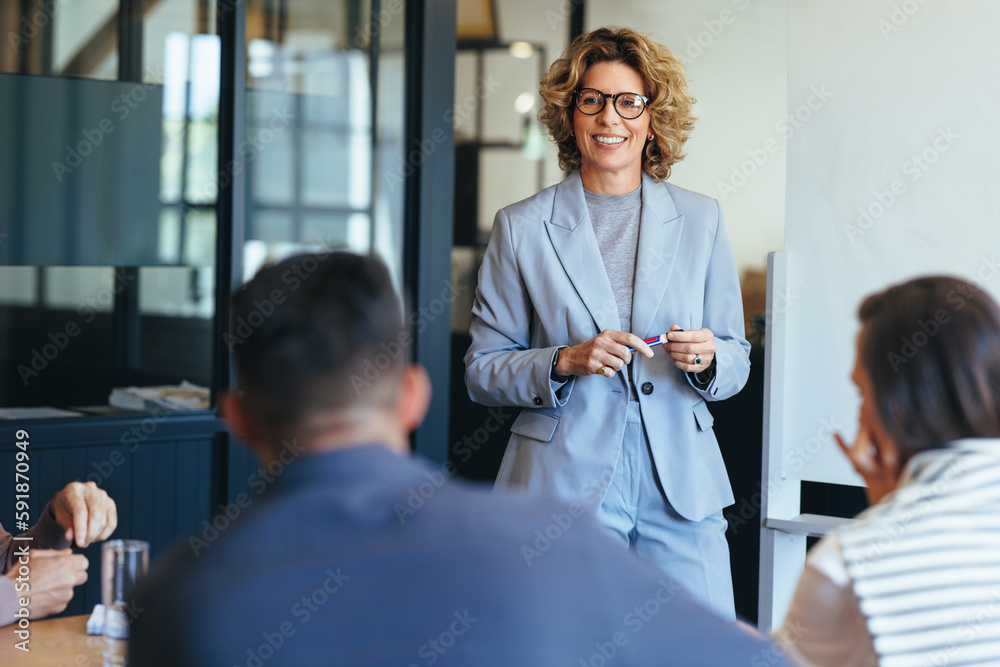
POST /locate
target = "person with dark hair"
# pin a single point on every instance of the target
(578, 278)
(915, 579)
(356, 553)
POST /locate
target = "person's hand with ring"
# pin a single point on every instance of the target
(604, 354)
(692, 351)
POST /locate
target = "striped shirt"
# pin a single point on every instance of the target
(925, 562)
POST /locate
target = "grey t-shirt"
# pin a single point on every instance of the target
(615, 219)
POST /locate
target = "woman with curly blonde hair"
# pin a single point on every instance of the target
(578, 285)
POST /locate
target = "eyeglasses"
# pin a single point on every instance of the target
(628, 105)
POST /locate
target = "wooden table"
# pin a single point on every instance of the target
(55, 642)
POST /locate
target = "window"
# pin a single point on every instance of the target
(109, 223)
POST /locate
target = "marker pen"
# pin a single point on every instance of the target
(657, 340)
(654, 341)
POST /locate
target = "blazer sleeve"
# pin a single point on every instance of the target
(501, 368)
(723, 314)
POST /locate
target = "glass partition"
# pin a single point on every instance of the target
(109, 215)
(109, 132)
(324, 123)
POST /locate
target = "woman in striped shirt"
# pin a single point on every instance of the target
(915, 579)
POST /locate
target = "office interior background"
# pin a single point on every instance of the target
(155, 153)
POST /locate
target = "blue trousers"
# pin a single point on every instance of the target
(635, 510)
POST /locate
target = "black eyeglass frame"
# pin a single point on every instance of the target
(604, 102)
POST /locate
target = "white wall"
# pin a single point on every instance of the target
(736, 56)
(915, 98)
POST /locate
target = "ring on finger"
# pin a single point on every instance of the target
(697, 360)
(600, 371)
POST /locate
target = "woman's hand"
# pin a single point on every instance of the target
(878, 464)
(604, 354)
(687, 347)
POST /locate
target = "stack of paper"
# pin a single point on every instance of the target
(185, 396)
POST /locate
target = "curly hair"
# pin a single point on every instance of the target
(670, 117)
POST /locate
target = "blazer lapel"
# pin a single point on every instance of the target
(659, 237)
(572, 236)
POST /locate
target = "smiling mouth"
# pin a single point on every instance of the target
(610, 141)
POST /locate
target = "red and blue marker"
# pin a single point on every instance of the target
(655, 340)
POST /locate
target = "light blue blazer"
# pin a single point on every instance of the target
(543, 285)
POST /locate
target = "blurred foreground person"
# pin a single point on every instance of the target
(46, 575)
(915, 579)
(355, 553)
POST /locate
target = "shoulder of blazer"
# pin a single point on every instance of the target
(692, 204)
(535, 208)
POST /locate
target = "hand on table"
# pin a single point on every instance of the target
(87, 513)
(604, 354)
(685, 347)
(52, 576)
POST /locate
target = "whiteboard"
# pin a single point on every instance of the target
(893, 171)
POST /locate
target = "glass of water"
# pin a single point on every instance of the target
(123, 564)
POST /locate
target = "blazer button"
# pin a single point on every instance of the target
(538, 400)
(647, 388)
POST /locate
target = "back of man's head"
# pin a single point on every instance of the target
(316, 336)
